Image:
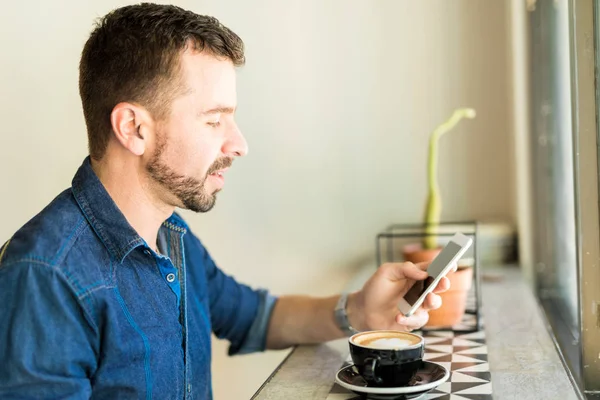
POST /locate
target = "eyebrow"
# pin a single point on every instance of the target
(219, 110)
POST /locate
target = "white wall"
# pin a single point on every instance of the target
(336, 101)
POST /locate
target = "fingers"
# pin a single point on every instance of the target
(442, 286)
(423, 265)
(407, 270)
(415, 321)
(421, 316)
(398, 271)
(432, 301)
(454, 267)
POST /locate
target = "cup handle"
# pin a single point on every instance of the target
(370, 368)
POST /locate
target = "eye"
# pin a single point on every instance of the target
(214, 124)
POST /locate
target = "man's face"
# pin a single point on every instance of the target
(199, 139)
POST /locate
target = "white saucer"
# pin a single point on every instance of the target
(429, 376)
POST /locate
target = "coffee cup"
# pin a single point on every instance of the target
(387, 358)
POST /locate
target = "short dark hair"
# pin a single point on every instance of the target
(134, 53)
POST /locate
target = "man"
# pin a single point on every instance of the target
(107, 293)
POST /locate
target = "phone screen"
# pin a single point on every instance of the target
(435, 268)
(417, 290)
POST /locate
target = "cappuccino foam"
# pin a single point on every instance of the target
(390, 343)
(386, 340)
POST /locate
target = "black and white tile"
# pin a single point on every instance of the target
(465, 355)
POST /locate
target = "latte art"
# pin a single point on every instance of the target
(386, 340)
(389, 343)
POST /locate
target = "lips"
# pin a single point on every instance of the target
(216, 171)
(219, 173)
(217, 178)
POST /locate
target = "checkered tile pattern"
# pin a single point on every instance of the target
(465, 355)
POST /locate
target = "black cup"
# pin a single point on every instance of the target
(391, 366)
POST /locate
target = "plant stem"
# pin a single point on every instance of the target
(433, 209)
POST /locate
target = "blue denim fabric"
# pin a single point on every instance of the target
(89, 310)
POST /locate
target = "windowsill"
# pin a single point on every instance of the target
(523, 360)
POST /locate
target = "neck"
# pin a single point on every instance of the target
(125, 181)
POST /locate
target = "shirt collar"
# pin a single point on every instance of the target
(105, 218)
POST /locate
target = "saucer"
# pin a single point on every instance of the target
(428, 377)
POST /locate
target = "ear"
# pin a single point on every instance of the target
(127, 120)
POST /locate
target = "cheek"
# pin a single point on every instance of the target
(193, 152)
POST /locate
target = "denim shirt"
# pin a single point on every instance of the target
(89, 310)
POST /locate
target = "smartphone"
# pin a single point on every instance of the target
(439, 267)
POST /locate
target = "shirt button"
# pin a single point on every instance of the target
(170, 277)
(189, 388)
(147, 252)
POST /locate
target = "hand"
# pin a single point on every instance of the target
(375, 306)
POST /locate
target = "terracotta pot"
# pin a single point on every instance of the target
(454, 300)
(415, 253)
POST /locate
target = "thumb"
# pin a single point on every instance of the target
(402, 271)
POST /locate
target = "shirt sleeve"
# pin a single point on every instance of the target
(45, 340)
(238, 313)
(256, 339)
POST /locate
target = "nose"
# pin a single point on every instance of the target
(235, 144)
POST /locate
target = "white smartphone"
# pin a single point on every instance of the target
(439, 267)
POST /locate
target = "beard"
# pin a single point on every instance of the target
(191, 192)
